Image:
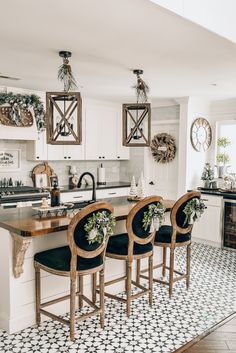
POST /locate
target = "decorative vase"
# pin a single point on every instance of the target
(221, 171)
(207, 184)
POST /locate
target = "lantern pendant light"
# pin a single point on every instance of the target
(137, 116)
(64, 109)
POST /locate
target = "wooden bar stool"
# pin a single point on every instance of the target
(136, 244)
(74, 261)
(172, 237)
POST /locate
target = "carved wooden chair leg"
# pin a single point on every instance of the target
(72, 308)
(150, 275)
(101, 293)
(164, 262)
(171, 271)
(188, 265)
(38, 294)
(126, 271)
(138, 271)
(94, 286)
(129, 272)
(81, 285)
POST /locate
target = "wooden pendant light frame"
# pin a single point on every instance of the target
(128, 109)
(76, 103)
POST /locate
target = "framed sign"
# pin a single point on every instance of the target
(41, 180)
(10, 160)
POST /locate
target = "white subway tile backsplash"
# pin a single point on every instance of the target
(61, 168)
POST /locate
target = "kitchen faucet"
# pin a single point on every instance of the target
(94, 185)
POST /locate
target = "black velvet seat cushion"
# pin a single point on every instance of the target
(59, 259)
(163, 235)
(118, 244)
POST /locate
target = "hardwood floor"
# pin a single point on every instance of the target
(221, 340)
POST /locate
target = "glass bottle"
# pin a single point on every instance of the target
(55, 195)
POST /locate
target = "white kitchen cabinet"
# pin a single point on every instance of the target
(37, 150)
(103, 136)
(113, 192)
(65, 152)
(208, 228)
(76, 196)
(122, 152)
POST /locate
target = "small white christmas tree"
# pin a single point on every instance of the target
(133, 188)
(141, 187)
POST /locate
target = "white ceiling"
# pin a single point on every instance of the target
(108, 38)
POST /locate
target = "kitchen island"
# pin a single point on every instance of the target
(22, 234)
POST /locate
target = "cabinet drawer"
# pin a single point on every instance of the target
(76, 196)
(211, 200)
(116, 192)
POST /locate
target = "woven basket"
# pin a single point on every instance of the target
(26, 117)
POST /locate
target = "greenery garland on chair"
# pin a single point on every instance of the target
(154, 217)
(99, 227)
(25, 101)
(193, 210)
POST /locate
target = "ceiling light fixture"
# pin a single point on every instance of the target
(5, 77)
(137, 116)
(64, 109)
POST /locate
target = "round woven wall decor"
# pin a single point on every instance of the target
(163, 148)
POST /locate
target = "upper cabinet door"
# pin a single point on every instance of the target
(122, 152)
(103, 137)
(93, 131)
(37, 150)
(109, 133)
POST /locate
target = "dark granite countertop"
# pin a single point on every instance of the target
(109, 185)
(219, 192)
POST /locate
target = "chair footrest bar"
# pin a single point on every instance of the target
(85, 316)
(175, 271)
(145, 277)
(113, 296)
(108, 283)
(57, 300)
(160, 281)
(54, 317)
(138, 285)
(179, 278)
(154, 267)
(89, 302)
(140, 294)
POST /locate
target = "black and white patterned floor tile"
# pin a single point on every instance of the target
(168, 325)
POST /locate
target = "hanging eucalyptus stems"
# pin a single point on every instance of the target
(141, 88)
(65, 74)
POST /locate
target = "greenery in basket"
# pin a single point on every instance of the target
(193, 210)
(27, 101)
(155, 213)
(99, 227)
(208, 172)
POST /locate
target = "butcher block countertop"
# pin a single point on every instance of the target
(25, 222)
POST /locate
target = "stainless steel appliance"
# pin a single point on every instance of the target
(14, 196)
(229, 224)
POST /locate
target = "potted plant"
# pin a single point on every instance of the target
(222, 158)
(207, 175)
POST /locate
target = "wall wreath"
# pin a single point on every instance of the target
(163, 148)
